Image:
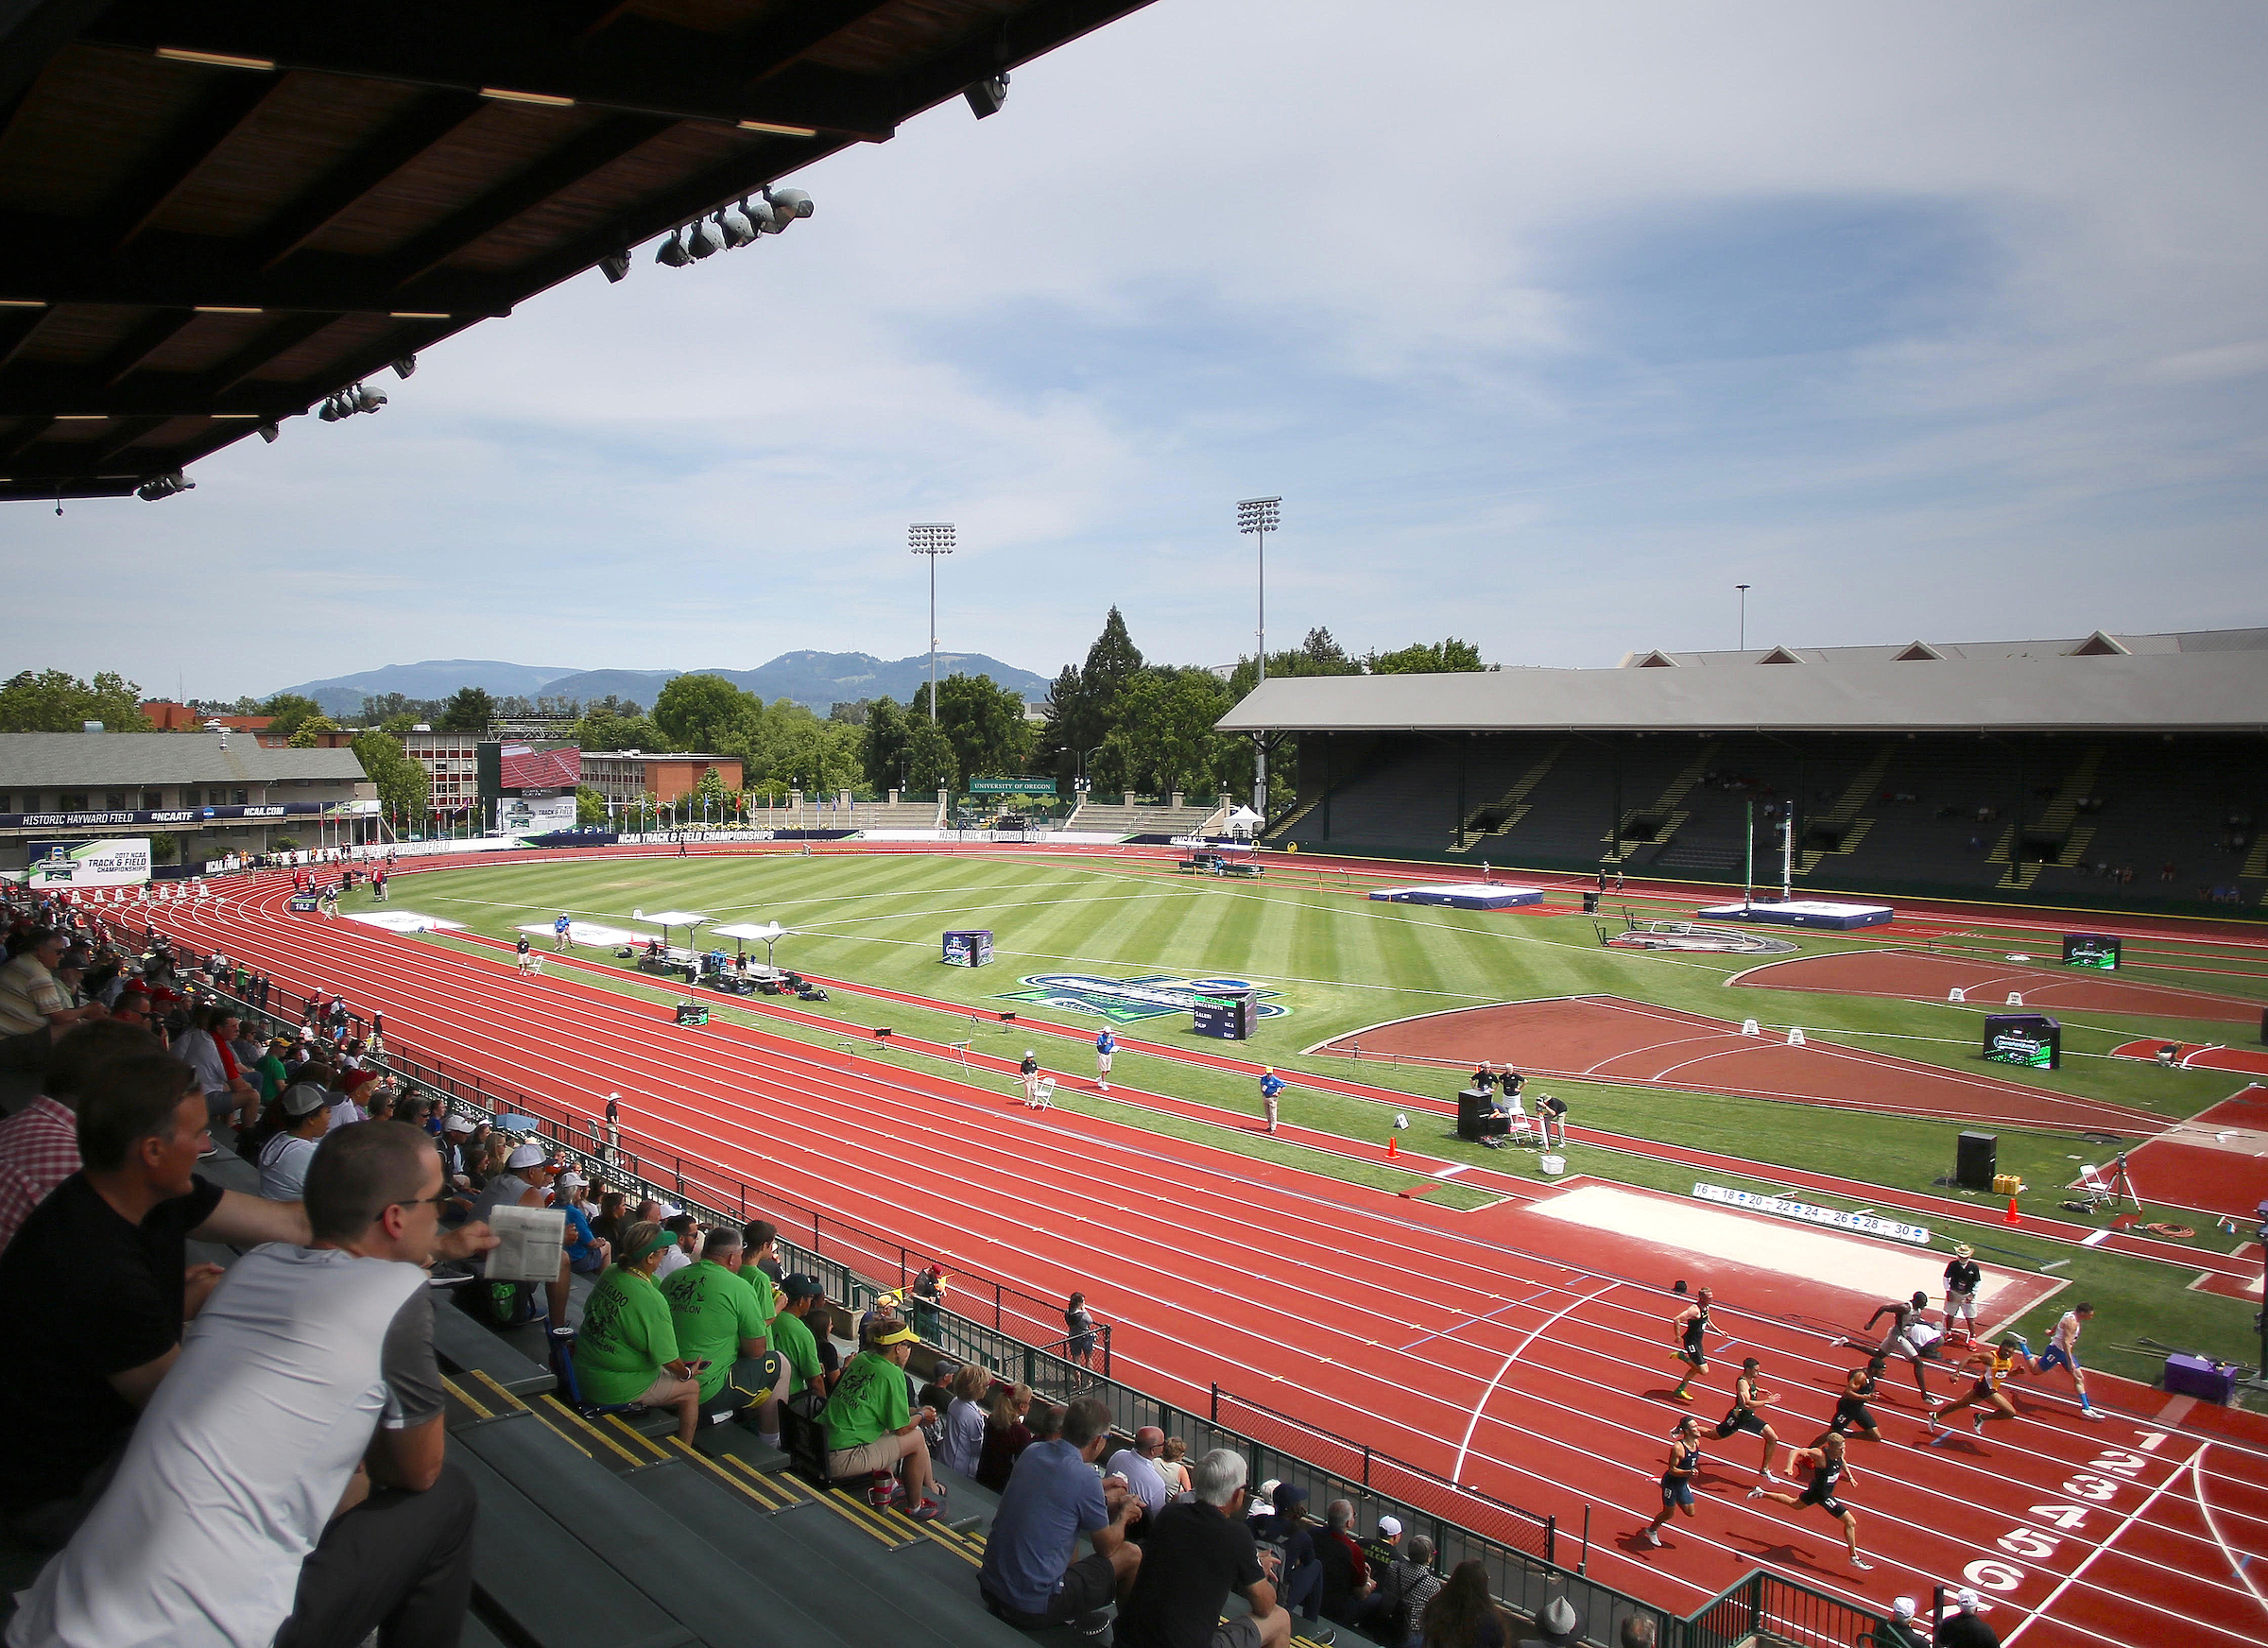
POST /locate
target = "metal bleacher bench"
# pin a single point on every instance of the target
(464, 1346)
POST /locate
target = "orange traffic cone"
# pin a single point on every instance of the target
(2011, 1217)
(1393, 1147)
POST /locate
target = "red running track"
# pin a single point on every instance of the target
(1521, 1367)
(1608, 1038)
(2216, 1161)
(1912, 976)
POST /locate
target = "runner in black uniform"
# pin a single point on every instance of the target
(1829, 1469)
(1677, 1479)
(1747, 1396)
(1692, 1342)
(1851, 1411)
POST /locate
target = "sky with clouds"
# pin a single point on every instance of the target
(1550, 323)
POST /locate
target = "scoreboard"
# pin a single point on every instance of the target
(2096, 950)
(1229, 1015)
(2031, 1039)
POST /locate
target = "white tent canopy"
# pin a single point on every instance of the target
(766, 933)
(1243, 815)
(670, 918)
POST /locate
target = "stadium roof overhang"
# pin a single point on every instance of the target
(2217, 693)
(217, 214)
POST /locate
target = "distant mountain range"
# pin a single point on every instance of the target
(820, 680)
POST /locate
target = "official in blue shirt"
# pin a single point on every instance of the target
(1270, 1085)
(1029, 1577)
(1105, 1045)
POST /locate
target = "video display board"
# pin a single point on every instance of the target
(2031, 1039)
(2096, 950)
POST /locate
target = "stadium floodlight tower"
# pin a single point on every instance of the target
(931, 539)
(1258, 515)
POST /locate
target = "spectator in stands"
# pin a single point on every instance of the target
(210, 1049)
(931, 1399)
(346, 1088)
(1347, 1582)
(304, 1422)
(792, 1336)
(626, 1351)
(1409, 1583)
(1199, 1552)
(1462, 1614)
(1172, 1469)
(1139, 1465)
(685, 1230)
(760, 1252)
(1899, 1631)
(723, 1332)
(1382, 1549)
(456, 1155)
(524, 1182)
(301, 1120)
(29, 997)
(38, 1144)
(872, 1430)
(608, 1222)
(1301, 1581)
(926, 1299)
(1005, 1435)
(587, 1253)
(965, 1419)
(1029, 1577)
(114, 1232)
(1558, 1624)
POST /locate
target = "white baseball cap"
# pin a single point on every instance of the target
(526, 1156)
(1968, 1599)
(572, 1178)
(1389, 1527)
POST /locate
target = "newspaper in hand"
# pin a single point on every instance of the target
(527, 1244)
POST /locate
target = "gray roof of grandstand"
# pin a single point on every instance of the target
(2198, 690)
(2100, 643)
(70, 760)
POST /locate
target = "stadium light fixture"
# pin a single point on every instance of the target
(269, 432)
(1260, 516)
(704, 238)
(787, 205)
(931, 539)
(163, 486)
(987, 96)
(1743, 589)
(614, 266)
(406, 365)
(672, 252)
(738, 229)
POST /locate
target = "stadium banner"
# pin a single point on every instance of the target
(1834, 1218)
(163, 816)
(1011, 786)
(535, 815)
(1128, 1001)
(121, 863)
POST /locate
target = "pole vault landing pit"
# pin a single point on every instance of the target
(1608, 1039)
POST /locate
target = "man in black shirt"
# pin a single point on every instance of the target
(1302, 1577)
(94, 1288)
(1200, 1551)
(1962, 1278)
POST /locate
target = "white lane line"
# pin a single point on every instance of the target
(2127, 1521)
(1474, 1423)
(1451, 1172)
(2213, 1527)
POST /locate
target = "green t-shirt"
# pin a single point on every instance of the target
(712, 1311)
(868, 1402)
(627, 1336)
(768, 1295)
(271, 1072)
(798, 1346)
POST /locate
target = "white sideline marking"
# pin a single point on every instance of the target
(1474, 1423)
(2097, 1239)
(2213, 1527)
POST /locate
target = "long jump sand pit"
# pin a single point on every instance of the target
(1608, 1039)
(1912, 975)
(1754, 1261)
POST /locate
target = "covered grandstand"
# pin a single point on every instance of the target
(2130, 770)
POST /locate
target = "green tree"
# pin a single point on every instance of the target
(884, 757)
(308, 733)
(285, 711)
(1450, 657)
(1082, 705)
(397, 725)
(57, 701)
(384, 707)
(601, 729)
(469, 709)
(982, 722)
(711, 796)
(589, 806)
(929, 758)
(164, 849)
(704, 712)
(404, 792)
(1165, 742)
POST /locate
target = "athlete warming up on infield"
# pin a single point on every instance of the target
(1830, 1470)
(1692, 1327)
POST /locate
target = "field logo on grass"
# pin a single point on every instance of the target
(1126, 1001)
